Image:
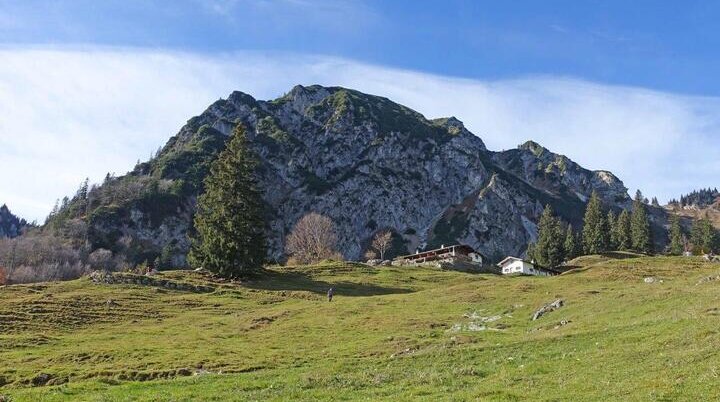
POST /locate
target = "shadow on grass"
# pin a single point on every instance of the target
(293, 281)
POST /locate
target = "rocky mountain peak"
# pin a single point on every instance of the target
(366, 162)
(559, 175)
(10, 225)
(535, 148)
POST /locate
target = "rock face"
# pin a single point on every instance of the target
(10, 225)
(366, 162)
(547, 308)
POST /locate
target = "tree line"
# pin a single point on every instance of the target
(701, 198)
(604, 231)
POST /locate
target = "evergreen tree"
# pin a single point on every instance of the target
(531, 252)
(230, 238)
(82, 191)
(641, 238)
(165, 261)
(548, 250)
(677, 243)
(622, 231)
(571, 244)
(595, 233)
(611, 225)
(639, 195)
(704, 237)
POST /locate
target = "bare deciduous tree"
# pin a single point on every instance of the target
(312, 239)
(382, 242)
(39, 256)
(370, 255)
(3, 276)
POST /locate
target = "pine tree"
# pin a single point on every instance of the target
(230, 238)
(82, 191)
(640, 235)
(677, 244)
(621, 231)
(595, 233)
(611, 224)
(166, 255)
(571, 244)
(548, 251)
(703, 236)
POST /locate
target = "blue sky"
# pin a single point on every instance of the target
(92, 86)
(656, 44)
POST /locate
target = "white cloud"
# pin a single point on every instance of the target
(71, 113)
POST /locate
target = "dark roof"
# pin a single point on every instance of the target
(442, 249)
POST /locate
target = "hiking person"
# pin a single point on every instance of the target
(330, 294)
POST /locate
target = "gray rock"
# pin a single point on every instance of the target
(41, 379)
(10, 225)
(547, 308)
(335, 151)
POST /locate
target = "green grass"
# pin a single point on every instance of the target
(390, 334)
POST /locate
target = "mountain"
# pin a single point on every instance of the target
(699, 204)
(365, 161)
(10, 225)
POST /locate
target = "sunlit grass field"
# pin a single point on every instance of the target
(391, 333)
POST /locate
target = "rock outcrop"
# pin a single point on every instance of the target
(10, 225)
(366, 162)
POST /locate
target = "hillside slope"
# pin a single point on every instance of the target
(390, 334)
(367, 162)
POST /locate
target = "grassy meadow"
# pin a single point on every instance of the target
(391, 333)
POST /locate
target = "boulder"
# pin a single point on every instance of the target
(548, 308)
(41, 379)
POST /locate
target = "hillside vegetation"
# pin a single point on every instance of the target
(391, 333)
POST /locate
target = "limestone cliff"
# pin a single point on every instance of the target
(363, 160)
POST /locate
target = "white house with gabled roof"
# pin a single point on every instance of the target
(515, 265)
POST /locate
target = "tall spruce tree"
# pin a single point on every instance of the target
(548, 251)
(595, 233)
(621, 232)
(677, 243)
(611, 224)
(704, 237)
(641, 238)
(230, 239)
(571, 244)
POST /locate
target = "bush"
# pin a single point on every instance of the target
(40, 256)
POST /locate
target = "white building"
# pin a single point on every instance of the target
(514, 265)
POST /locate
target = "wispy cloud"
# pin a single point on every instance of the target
(72, 113)
(318, 14)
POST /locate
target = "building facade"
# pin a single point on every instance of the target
(458, 252)
(515, 265)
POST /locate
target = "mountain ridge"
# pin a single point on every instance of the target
(365, 161)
